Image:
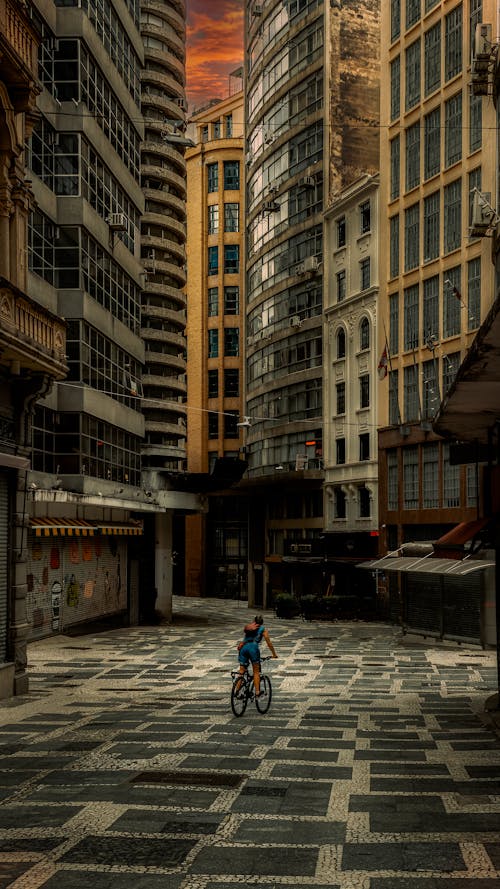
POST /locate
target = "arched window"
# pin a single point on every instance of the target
(341, 343)
(364, 334)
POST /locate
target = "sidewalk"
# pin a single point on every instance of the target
(375, 768)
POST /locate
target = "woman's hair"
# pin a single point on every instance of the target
(259, 619)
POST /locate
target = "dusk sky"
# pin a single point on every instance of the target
(214, 47)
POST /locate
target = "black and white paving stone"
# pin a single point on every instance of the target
(375, 768)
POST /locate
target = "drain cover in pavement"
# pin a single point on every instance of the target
(190, 779)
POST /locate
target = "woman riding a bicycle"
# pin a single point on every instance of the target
(249, 651)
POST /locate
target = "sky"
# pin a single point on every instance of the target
(214, 48)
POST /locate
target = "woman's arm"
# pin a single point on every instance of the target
(269, 643)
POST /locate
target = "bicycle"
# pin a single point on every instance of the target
(243, 691)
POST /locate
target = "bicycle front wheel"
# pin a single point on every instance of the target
(239, 697)
(263, 702)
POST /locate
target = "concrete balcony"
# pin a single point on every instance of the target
(31, 338)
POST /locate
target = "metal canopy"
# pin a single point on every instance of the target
(428, 565)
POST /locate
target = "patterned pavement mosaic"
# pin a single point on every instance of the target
(375, 767)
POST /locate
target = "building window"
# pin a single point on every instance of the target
(228, 126)
(363, 502)
(231, 259)
(394, 323)
(412, 156)
(451, 481)
(394, 412)
(412, 95)
(340, 451)
(395, 87)
(341, 343)
(431, 226)
(341, 285)
(339, 503)
(431, 311)
(430, 388)
(216, 129)
(430, 476)
(213, 343)
(451, 363)
(475, 122)
(394, 246)
(364, 391)
(213, 383)
(213, 177)
(231, 299)
(411, 337)
(231, 217)
(430, 4)
(453, 43)
(452, 302)
(204, 133)
(364, 446)
(410, 394)
(230, 424)
(432, 52)
(412, 12)
(392, 480)
(231, 383)
(395, 166)
(475, 18)
(395, 19)
(340, 390)
(213, 301)
(231, 175)
(213, 260)
(475, 178)
(474, 292)
(364, 273)
(410, 478)
(213, 424)
(412, 237)
(364, 217)
(452, 216)
(453, 130)
(213, 219)
(231, 341)
(432, 143)
(364, 334)
(472, 484)
(341, 232)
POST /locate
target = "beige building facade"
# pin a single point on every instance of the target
(215, 541)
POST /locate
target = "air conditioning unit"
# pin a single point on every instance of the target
(483, 42)
(182, 103)
(307, 182)
(295, 321)
(248, 158)
(272, 189)
(311, 264)
(257, 10)
(270, 207)
(117, 222)
(269, 138)
(483, 214)
(300, 269)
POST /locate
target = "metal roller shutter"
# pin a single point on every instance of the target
(423, 603)
(4, 566)
(462, 607)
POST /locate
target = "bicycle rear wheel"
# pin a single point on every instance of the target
(263, 702)
(239, 696)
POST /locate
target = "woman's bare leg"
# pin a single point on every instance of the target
(256, 678)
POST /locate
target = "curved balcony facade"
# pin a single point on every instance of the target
(284, 181)
(163, 234)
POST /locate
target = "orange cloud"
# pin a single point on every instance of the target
(214, 48)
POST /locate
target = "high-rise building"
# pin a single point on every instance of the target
(216, 541)
(438, 138)
(311, 129)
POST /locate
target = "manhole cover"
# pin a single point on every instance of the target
(190, 779)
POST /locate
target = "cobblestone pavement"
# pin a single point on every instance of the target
(375, 768)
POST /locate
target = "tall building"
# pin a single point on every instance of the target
(32, 338)
(350, 385)
(311, 129)
(437, 277)
(216, 541)
(100, 541)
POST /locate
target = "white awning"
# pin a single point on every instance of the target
(427, 565)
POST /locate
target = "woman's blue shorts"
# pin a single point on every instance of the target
(249, 652)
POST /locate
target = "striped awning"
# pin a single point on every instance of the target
(121, 528)
(62, 528)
